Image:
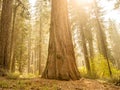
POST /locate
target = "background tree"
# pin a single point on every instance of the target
(5, 32)
(114, 40)
(102, 44)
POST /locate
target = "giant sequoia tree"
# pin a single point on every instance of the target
(61, 62)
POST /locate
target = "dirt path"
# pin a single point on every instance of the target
(83, 84)
(43, 84)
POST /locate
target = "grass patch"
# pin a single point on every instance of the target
(4, 84)
(13, 75)
(21, 84)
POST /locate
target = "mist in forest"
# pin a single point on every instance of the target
(60, 40)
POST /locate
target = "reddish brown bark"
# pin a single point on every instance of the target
(5, 32)
(61, 62)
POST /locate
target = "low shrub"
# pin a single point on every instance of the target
(13, 75)
(4, 84)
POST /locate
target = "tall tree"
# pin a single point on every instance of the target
(82, 21)
(5, 31)
(61, 62)
(12, 46)
(40, 46)
(87, 62)
(101, 37)
(115, 42)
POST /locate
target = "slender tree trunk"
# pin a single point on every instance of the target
(13, 64)
(5, 32)
(91, 56)
(91, 51)
(40, 46)
(115, 43)
(85, 51)
(61, 62)
(21, 56)
(35, 58)
(12, 39)
(90, 42)
(29, 51)
(104, 48)
(101, 38)
(32, 63)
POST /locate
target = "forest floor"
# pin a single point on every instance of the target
(43, 84)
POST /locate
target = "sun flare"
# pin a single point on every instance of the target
(108, 7)
(83, 1)
(32, 2)
(32, 7)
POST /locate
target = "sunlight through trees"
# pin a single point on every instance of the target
(60, 39)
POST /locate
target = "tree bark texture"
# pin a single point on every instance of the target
(61, 62)
(5, 31)
(12, 46)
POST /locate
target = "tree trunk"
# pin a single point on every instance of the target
(91, 51)
(5, 31)
(101, 38)
(29, 51)
(115, 43)
(13, 64)
(61, 62)
(21, 55)
(12, 46)
(40, 46)
(85, 51)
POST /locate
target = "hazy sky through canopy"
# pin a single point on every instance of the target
(60, 40)
(110, 12)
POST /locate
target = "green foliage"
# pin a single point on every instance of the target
(13, 75)
(82, 71)
(54, 87)
(101, 68)
(30, 75)
(3, 72)
(116, 77)
(21, 85)
(45, 88)
(4, 84)
(115, 80)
